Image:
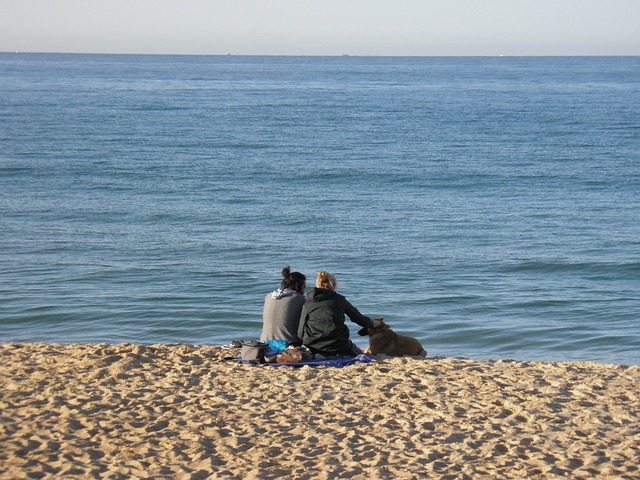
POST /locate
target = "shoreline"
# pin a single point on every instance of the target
(184, 411)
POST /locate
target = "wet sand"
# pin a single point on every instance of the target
(186, 412)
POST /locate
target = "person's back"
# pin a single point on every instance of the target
(281, 315)
(282, 309)
(322, 322)
(324, 330)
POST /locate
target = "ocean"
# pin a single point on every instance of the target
(489, 207)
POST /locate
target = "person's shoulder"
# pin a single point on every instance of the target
(333, 295)
(339, 296)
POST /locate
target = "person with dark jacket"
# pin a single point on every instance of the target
(322, 326)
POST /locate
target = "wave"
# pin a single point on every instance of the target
(588, 268)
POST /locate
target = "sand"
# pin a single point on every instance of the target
(184, 412)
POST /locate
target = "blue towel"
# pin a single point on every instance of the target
(277, 345)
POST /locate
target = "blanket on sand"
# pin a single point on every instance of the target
(336, 362)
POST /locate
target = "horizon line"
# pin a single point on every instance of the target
(344, 55)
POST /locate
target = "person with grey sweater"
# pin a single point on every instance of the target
(282, 309)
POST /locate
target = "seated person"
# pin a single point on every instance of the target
(282, 309)
(322, 323)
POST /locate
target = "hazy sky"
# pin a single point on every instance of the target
(328, 27)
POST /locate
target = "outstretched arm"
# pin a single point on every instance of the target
(354, 314)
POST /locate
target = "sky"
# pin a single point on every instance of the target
(328, 27)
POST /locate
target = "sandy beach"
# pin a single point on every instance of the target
(187, 412)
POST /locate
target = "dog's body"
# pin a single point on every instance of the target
(384, 340)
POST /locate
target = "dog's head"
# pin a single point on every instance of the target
(372, 331)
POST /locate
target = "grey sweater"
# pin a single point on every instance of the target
(280, 318)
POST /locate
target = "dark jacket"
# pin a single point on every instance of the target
(322, 325)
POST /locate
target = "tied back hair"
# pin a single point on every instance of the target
(293, 280)
(326, 281)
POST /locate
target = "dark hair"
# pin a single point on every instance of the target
(294, 281)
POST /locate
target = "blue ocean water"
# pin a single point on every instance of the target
(489, 207)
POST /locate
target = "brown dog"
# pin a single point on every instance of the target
(384, 340)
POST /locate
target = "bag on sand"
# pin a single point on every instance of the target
(254, 352)
(295, 355)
